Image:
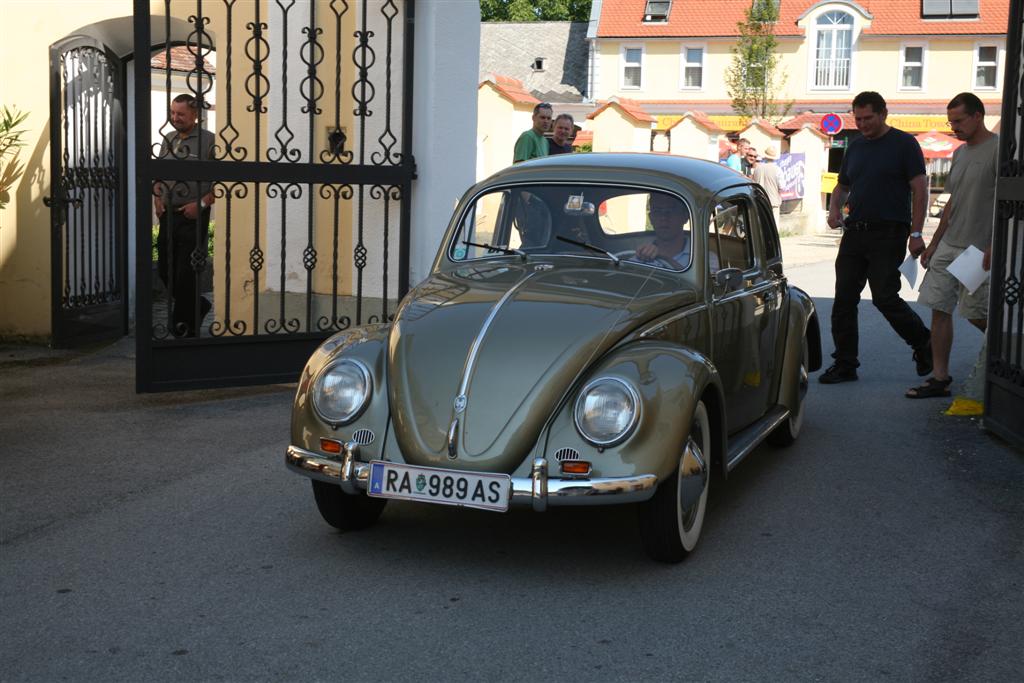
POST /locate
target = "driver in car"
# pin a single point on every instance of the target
(669, 218)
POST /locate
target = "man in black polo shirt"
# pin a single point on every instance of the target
(883, 177)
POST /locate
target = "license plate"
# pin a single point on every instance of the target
(435, 485)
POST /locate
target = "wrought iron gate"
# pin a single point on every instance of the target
(87, 158)
(1004, 385)
(309, 103)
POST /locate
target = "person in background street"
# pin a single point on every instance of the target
(561, 135)
(532, 143)
(183, 209)
(966, 220)
(737, 161)
(883, 177)
(766, 174)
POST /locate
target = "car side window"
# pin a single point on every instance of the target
(729, 243)
(769, 232)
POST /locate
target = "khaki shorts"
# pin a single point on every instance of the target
(943, 292)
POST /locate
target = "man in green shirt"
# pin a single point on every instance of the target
(532, 143)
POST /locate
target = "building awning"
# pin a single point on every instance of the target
(936, 145)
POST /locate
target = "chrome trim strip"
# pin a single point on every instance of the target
(659, 325)
(474, 349)
(754, 439)
(556, 492)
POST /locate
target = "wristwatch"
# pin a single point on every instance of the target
(202, 205)
(916, 234)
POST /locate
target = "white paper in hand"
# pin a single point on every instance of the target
(909, 270)
(967, 268)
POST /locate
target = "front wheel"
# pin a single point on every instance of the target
(344, 511)
(787, 432)
(671, 521)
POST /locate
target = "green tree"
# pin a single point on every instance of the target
(754, 79)
(535, 10)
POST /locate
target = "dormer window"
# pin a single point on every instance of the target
(538, 64)
(657, 11)
(949, 9)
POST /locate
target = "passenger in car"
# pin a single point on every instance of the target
(670, 219)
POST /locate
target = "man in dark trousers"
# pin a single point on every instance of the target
(883, 178)
(184, 212)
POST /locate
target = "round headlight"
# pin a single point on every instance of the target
(341, 391)
(606, 411)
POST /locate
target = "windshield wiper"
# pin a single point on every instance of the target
(591, 247)
(491, 247)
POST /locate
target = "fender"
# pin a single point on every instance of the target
(367, 344)
(669, 379)
(802, 322)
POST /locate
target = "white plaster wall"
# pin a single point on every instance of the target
(444, 113)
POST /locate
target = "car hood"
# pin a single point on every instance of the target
(511, 340)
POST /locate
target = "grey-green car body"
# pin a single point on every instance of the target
(482, 366)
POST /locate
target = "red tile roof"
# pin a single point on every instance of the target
(511, 89)
(813, 119)
(630, 107)
(706, 18)
(766, 127)
(182, 59)
(584, 137)
(701, 119)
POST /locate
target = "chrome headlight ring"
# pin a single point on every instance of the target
(606, 420)
(341, 391)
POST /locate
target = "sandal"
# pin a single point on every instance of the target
(931, 388)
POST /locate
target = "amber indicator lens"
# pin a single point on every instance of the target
(330, 446)
(576, 467)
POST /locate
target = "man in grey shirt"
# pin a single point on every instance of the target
(766, 174)
(184, 212)
(966, 221)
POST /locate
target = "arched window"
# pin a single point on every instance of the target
(832, 50)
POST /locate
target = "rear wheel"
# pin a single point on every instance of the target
(786, 433)
(671, 521)
(344, 511)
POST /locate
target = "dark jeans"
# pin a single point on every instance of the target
(176, 244)
(873, 257)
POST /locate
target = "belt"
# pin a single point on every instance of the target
(875, 225)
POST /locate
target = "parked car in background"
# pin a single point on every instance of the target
(597, 329)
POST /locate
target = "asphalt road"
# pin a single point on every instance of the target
(161, 538)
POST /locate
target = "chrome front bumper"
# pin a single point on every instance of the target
(538, 490)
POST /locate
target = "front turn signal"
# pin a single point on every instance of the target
(330, 446)
(576, 467)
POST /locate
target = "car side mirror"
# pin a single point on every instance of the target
(729, 279)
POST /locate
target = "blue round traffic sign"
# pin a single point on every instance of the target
(831, 124)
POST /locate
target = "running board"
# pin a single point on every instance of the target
(746, 440)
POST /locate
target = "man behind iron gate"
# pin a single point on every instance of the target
(883, 177)
(184, 212)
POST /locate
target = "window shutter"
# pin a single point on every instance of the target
(968, 8)
(936, 8)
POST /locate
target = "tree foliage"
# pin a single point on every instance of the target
(535, 10)
(754, 79)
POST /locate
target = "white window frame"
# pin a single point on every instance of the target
(975, 63)
(903, 63)
(812, 52)
(622, 68)
(703, 47)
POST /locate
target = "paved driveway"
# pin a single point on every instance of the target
(160, 538)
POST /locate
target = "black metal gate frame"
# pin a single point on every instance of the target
(1004, 376)
(257, 359)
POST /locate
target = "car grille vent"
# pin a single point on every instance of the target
(567, 454)
(363, 437)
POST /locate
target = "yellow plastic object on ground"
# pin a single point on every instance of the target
(965, 407)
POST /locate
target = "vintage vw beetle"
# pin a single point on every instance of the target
(596, 329)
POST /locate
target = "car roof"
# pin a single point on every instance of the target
(670, 171)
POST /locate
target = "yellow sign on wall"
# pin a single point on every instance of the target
(732, 124)
(919, 123)
(829, 182)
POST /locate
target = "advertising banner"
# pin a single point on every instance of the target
(791, 176)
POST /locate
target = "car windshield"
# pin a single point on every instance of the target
(651, 227)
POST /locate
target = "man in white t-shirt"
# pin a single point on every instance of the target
(966, 221)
